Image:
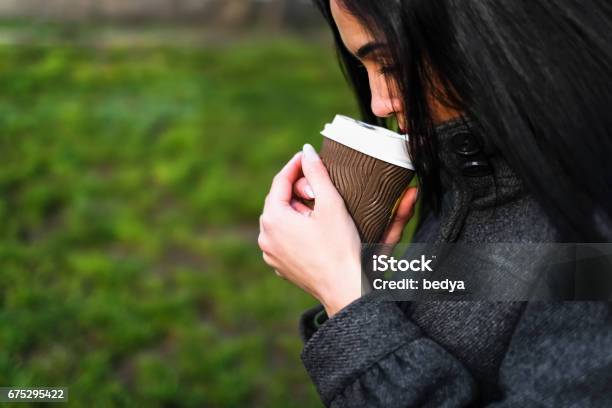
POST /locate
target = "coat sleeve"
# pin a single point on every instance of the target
(560, 356)
(371, 354)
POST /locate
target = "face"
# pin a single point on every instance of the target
(386, 100)
(373, 55)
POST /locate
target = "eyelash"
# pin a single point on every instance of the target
(384, 70)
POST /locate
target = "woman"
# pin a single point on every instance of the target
(507, 104)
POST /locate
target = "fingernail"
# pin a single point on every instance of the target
(310, 153)
(309, 192)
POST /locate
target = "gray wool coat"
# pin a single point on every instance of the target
(377, 353)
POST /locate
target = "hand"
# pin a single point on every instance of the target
(317, 249)
(393, 234)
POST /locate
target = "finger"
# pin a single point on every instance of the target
(406, 206)
(266, 199)
(404, 213)
(315, 173)
(282, 185)
(269, 260)
(280, 275)
(300, 207)
(302, 189)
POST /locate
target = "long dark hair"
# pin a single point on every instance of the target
(537, 77)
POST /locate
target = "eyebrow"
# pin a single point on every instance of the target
(368, 49)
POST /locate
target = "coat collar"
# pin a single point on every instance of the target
(474, 175)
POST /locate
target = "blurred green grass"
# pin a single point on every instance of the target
(131, 184)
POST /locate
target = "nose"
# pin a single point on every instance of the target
(382, 104)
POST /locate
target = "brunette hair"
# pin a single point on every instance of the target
(536, 76)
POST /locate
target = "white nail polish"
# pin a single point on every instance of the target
(310, 153)
(309, 192)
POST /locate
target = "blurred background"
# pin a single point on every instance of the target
(138, 141)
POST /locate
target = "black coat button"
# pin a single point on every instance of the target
(476, 168)
(465, 144)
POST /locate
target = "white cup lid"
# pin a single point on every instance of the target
(374, 141)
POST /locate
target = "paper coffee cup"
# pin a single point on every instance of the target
(371, 168)
(378, 142)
